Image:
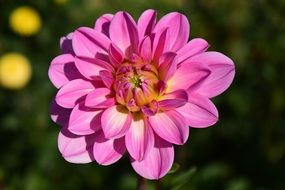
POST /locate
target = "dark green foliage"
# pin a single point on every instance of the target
(245, 150)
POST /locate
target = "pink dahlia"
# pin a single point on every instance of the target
(135, 87)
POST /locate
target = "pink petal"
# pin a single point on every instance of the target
(69, 95)
(146, 49)
(74, 148)
(100, 98)
(222, 73)
(87, 42)
(66, 44)
(123, 31)
(62, 70)
(103, 24)
(178, 27)
(170, 126)
(158, 162)
(116, 56)
(199, 112)
(161, 86)
(139, 138)
(167, 65)
(116, 121)
(84, 121)
(160, 44)
(146, 23)
(108, 151)
(193, 47)
(173, 100)
(107, 78)
(147, 111)
(59, 114)
(188, 77)
(151, 109)
(90, 68)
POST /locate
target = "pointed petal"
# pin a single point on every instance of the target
(74, 148)
(103, 23)
(160, 44)
(167, 65)
(90, 68)
(146, 49)
(222, 73)
(59, 114)
(188, 77)
(108, 151)
(87, 42)
(116, 56)
(100, 98)
(199, 112)
(115, 121)
(158, 162)
(146, 23)
(84, 121)
(69, 95)
(66, 44)
(123, 31)
(62, 70)
(193, 47)
(161, 86)
(139, 97)
(107, 78)
(179, 29)
(173, 100)
(139, 138)
(170, 126)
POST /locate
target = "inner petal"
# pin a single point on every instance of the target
(136, 84)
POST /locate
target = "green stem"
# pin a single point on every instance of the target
(157, 185)
(141, 183)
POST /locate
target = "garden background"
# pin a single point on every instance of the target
(245, 150)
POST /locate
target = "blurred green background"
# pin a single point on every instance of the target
(245, 150)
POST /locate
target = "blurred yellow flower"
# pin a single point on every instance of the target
(15, 71)
(60, 2)
(25, 21)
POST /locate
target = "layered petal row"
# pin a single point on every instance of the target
(134, 87)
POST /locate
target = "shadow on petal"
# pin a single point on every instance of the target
(59, 114)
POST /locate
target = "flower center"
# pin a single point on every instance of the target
(136, 85)
(136, 81)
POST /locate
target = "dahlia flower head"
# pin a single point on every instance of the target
(136, 87)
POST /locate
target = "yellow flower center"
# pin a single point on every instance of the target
(136, 81)
(136, 85)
